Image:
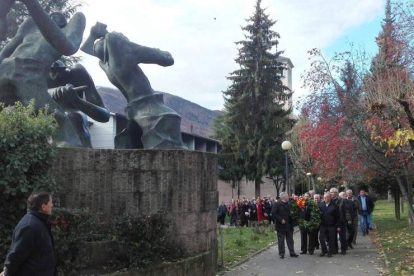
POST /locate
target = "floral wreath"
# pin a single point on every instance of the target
(315, 214)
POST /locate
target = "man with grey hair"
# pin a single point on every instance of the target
(284, 225)
(330, 225)
(312, 193)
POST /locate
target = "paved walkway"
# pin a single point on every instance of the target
(362, 260)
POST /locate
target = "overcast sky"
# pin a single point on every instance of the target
(200, 35)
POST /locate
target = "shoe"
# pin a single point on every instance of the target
(329, 255)
(343, 253)
(310, 253)
(322, 254)
(350, 245)
(281, 256)
(303, 252)
(294, 255)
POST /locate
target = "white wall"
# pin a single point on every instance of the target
(102, 134)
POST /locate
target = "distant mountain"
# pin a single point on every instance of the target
(194, 118)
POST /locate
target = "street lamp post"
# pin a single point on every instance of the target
(286, 146)
(309, 180)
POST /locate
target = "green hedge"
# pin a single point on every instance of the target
(25, 157)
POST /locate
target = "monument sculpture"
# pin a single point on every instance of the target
(26, 60)
(119, 58)
(26, 73)
(68, 86)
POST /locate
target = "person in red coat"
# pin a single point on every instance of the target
(260, 215)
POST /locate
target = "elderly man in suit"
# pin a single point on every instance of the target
(284, 225)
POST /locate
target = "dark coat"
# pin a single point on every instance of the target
(330, 216)
(222, 210)
(353, 205)
(343, 209)
(369, 202)
(32, 251)
(305, 213)
(281, 211)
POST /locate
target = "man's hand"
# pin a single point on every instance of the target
(99, 30)
(338, 229)
(283, 221)
(67, 95)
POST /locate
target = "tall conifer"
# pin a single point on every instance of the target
(254, 102)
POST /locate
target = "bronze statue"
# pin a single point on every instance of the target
(62, 83)
(26, 60)
(119, 58)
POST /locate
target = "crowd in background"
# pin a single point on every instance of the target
(339, 213)
(246, 212)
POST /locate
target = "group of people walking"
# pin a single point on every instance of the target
(338, 222)
(336, 232)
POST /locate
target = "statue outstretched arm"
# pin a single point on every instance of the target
(124, 51)
(67, 43)
(68, 97)
(147, 55)
(94, 106)
(98, 31)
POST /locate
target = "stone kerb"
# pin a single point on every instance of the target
(180, 184)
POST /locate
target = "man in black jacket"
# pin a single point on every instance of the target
(222, 212)
(330, 225)
(284, 226)
(32, 251)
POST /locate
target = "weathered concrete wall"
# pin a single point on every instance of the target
(226, 193)
(180, 184)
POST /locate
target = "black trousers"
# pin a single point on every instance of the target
(222, 218)
(342, 240)
(308, 240)
(327, 233)
(351, 230)
(281, 236)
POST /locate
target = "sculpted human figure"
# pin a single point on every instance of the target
(119, 58)
(26, 60)
(63, 83)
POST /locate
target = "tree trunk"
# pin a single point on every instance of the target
(313, 182)
(257, 187)
(409, 201)
(389, 196)
(397, 209)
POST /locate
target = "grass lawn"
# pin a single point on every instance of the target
(396, 238)
(239, 243)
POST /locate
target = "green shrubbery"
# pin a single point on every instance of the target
(25, 157)
(71, 228)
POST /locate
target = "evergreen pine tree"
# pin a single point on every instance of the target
(254, 113)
